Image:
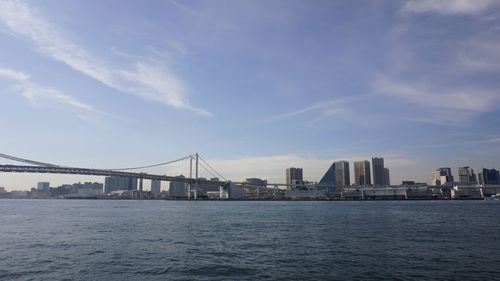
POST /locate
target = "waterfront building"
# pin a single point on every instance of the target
(178, 188)
(156, 187)
(119, 183)
(235, 192)
(328, 179)
(43, 186)
(378, 171)
(387, 177)
(362, 174)
(490, 176)
(256, 182)
(87, 186)
(342, 175)
(442, 176)
(466, 175)
(209, 187)
(446, 172)
(436, 178)
(293, 175)
(305, 194)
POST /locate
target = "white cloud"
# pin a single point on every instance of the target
(152, 81)
(42, 96)
(448, 7)
(14, 75)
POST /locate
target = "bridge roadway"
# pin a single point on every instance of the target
(112, 173)
(99, 172)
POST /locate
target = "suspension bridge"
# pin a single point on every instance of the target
(192, 170)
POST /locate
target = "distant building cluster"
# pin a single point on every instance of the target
(371, 182)
(466, 176)
(338, 175)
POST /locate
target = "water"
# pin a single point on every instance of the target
(173, 240)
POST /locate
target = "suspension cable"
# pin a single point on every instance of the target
(221, 176)
(17, 159)
(151, 166)
(207, 170)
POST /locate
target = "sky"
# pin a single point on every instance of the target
(253, 86)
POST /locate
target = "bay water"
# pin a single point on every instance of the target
(249, 240)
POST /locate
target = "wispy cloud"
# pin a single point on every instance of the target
(322, 110)
(332, 106)
(431, 96)
(39, 96)
(480, 54)
(449, 7)
(447, 81)
(201, 16)
(489, 140)
(440, 104)
(152, 81)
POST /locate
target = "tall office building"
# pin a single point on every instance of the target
(178, 188)
(480, 178)
(491, 176)
(378, 170)
(442, 176)
(446, 172)
(156, 187)
(362, 174)
(119, 183)
(387, 177)
(466, 175)
(328, 179)
(342, 176)
(293, 177)
(436, 178)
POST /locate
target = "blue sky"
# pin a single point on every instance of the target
(253, 86)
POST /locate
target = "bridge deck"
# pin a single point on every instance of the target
(99, 172)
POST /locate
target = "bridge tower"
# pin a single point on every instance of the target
(190, 187)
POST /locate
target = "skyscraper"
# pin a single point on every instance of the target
(442, 176)
(491, 176)
(156, 187)
(436, 178)
(328, 179)
(466, 175)
(178, 188)
(293, 177)
(378, 170)
(387, 177)
(342, 176)
(446, 173)
(362, 174)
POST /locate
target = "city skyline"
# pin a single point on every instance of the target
(338, 174)
(293, 85)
